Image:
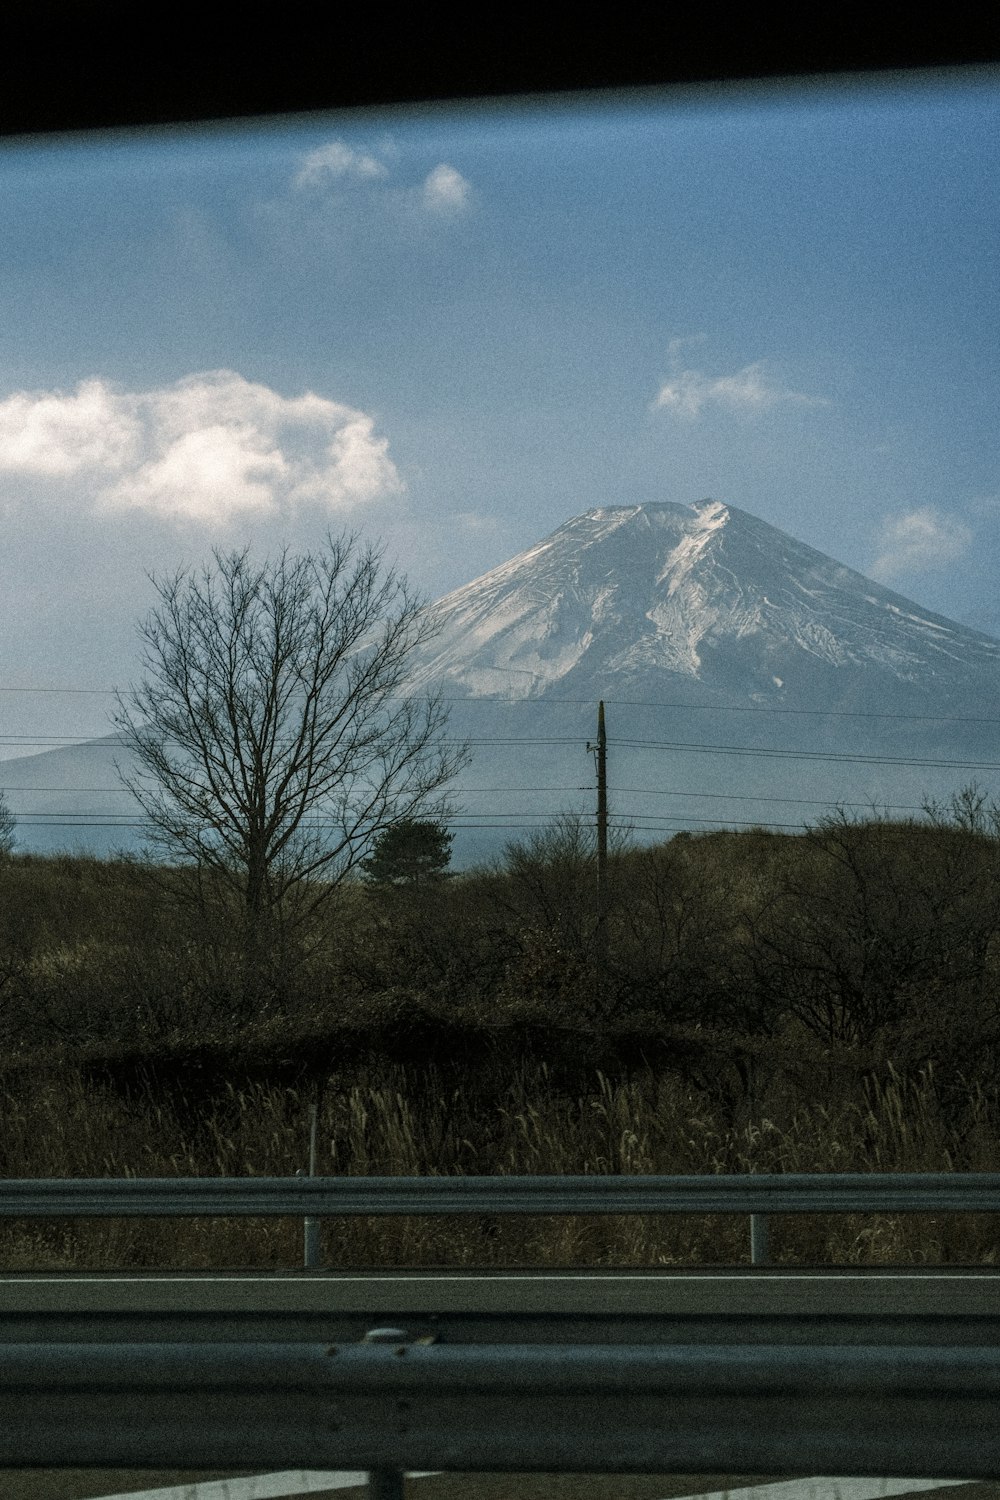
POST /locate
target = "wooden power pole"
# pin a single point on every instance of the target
(601, 750)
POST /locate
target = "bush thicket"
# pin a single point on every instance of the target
(817, 1001)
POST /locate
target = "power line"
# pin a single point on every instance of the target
(498, 790)
(554, 703)
(762, 752)
(767, 753)
(24, 790)
(649, 791)
(618, 824)
(713, 708)
(735, 708)
(68, 691)
(521, 739)
(639, 791)
(701, 747)
(657, 791)
(92, 743)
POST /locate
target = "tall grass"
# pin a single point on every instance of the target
(403, 1123)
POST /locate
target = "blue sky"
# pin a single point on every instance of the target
(456, 328)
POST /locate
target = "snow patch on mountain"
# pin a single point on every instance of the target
(703, 594)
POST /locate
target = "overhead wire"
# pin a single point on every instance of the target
(88, 818)
(555, 703)
(762, 751)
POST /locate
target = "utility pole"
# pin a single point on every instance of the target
(601, 752)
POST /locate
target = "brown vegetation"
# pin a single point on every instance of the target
(818, 1002)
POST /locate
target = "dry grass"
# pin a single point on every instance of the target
(391, 1124)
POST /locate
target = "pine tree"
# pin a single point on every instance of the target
(410, 852)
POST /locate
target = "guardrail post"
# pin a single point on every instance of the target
(759, 1247)
(310, 1244)
(386, 1484)
(310, 1226)
(310, 1238)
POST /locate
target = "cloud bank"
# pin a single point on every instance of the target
(210, 448)
(917, 542)
(688, 392)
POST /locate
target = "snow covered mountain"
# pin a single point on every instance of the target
(748, 679)
(701, 600)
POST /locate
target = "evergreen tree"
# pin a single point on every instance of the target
(410, 852)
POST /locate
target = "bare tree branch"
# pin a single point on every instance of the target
(271, 738)
(8, 824)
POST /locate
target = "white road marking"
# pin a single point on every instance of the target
(829, 1489)
(259, 1486)
(310, 1482)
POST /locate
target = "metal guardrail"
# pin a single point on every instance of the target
(791, 1193)
(389, 1407)
(927, 1412)
(317, 1197)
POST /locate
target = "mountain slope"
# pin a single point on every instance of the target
(706, 600)
(748, 678)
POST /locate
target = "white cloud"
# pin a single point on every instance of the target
(688, 392)
(50, 434)
(334, 161)
(446, 190)
(209, 448)
(917, 542)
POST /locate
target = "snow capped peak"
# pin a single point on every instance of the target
(662, 595)
(711, 516)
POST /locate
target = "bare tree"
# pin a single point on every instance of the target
(8, 823)
(271, 737)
